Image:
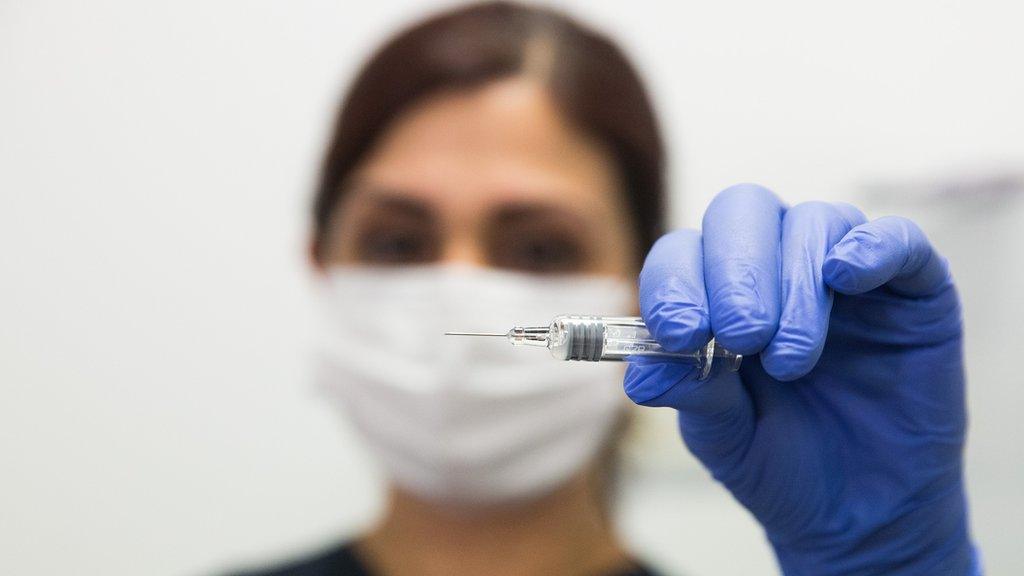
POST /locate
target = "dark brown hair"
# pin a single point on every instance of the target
(590, 79)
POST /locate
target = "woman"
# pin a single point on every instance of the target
(504, 164)
(501, 164)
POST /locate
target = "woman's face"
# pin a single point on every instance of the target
(493, 176)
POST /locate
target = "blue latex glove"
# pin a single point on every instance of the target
(844, 429)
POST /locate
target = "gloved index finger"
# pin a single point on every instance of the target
(672, 298)
(742, 235)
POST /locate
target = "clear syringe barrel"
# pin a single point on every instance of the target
(606, 338)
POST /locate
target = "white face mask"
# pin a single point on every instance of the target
(462, 419)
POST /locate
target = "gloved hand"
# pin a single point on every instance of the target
(843, 431)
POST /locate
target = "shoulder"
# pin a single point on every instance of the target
(337, 560)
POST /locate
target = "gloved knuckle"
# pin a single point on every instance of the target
(745, 191)
(904, 229)
(867, 238)
(815, 211)
(850, 214)
(669, 245)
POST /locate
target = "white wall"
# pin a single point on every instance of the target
(155, 164)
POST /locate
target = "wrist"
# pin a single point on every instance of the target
(927, 540)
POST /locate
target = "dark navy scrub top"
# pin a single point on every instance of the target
(342, 561)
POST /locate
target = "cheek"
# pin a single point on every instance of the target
(619, 253)
(333, 246)
(617, 238)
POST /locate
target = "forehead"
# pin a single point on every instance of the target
(505, 141)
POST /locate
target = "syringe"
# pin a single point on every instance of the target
(602, 338)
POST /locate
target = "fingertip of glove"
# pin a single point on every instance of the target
(786, 365)
(849, 266)
(678, 327)
(741, 332)
(842, 275)
(795, 350)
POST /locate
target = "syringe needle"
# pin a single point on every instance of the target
(502, 334)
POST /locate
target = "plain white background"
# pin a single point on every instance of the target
(156, 160)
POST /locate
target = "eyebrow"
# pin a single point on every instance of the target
(511, 212)
(529, 211)
(393, 201)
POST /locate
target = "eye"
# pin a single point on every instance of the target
(396, 245)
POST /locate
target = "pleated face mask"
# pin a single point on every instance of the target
(467, 420)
